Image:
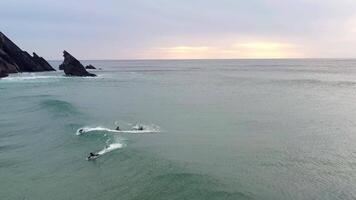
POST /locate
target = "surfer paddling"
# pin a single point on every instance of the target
(138, 128)
(92, 156)
(135, 128)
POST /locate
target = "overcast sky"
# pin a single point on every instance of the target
(169, 29)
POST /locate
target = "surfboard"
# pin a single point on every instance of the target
(93, 157)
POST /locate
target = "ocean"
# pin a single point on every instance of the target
(213, 129)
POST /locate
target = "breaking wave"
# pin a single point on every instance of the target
(59, 108)
(146, 129)
(111, 147)
(113, 141)
(26, 77)
(36, 77)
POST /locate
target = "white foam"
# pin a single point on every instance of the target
(146, 129)
(88, 130)
(25, 77)
(30, 77)
(117, 141)
(110, 148)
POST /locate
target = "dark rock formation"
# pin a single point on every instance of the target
(42, 62)
(90, 67)
(3, 73)
(6, 63)
(13, 59)
(72, 67)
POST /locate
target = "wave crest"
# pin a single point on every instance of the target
(146, 129)
(111, 147)
(59, 107)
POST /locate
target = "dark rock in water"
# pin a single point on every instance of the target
(13, 59)
(72, 67)
(90, 67)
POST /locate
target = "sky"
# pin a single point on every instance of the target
(182, 29)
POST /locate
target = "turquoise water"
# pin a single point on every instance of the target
(218, 129)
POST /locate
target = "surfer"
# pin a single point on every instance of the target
(138, 128)
(92, 155)
(117, 128)
(81, 131)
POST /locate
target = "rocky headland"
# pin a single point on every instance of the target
(13, 59)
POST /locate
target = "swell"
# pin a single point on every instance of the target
(295, 82)
(152, 178)
(9, 147)
(58, 108)
(316, 83)
(23, 104)
(185, 185)
(28, 104)
(29, 97)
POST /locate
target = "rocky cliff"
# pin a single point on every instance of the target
(13, 59)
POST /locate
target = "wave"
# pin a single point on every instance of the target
(185, 185)
(36, 77)
(59, 107)
(112, 143)
(146, 129)
(315, 82)
(117, 142)
(21, 77)
(25, 78)
(110, 148)
(27, 97)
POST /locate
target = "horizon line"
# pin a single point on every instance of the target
(192, 59)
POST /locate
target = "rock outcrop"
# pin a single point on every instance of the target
(3, 73)
(42, 62)
(6, 63)
(90, 67)
(13, 59)
(72, 67)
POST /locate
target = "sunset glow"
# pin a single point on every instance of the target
(147, 29)
(237, 50)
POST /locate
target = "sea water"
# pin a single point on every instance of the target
(214, 129)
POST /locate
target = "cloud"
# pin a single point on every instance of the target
(182, 29)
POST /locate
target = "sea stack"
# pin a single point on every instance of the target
(13, 59)
(72, 67)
